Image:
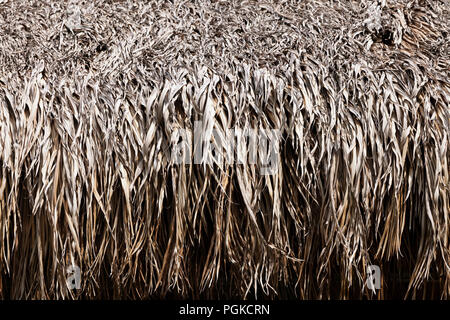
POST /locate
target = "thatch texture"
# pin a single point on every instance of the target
(91, 92)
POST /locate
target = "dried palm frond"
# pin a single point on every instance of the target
(92, 92)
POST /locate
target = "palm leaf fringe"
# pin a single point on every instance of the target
(91, 94)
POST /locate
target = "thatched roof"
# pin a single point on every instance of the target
(91, 92)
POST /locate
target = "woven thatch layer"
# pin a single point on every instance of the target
(92, 93)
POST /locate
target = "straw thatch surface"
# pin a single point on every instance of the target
(91, 92)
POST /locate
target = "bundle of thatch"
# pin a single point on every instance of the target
(92, 91)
